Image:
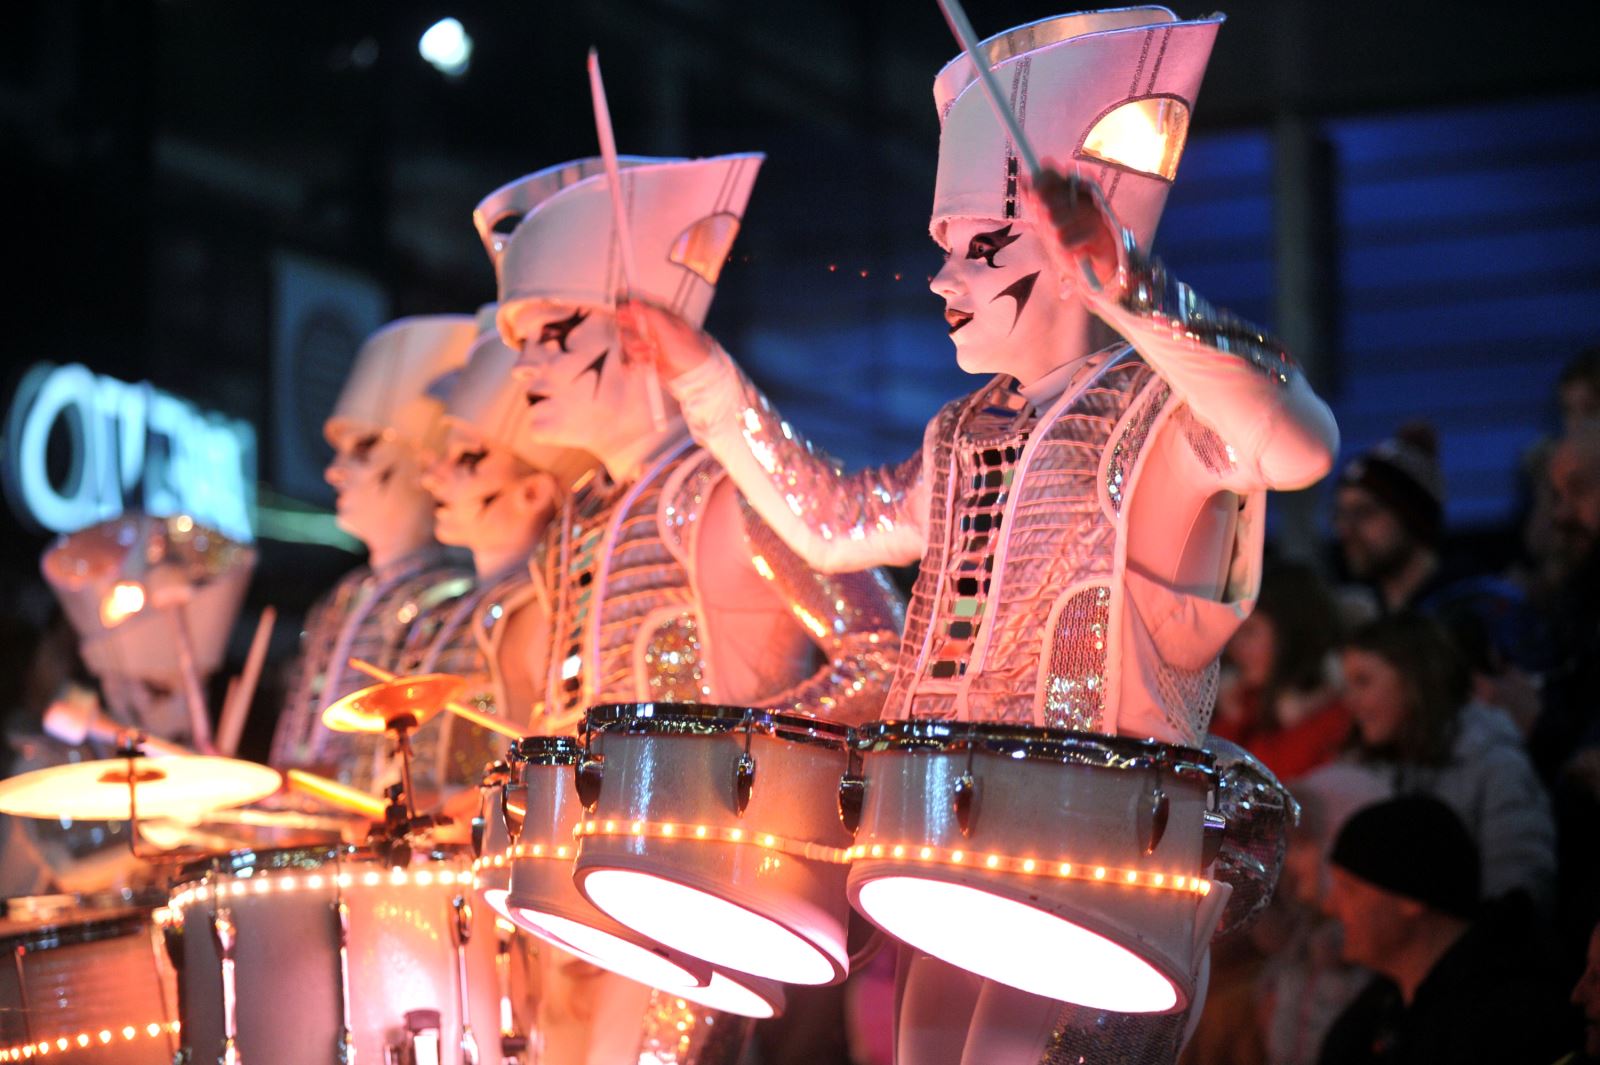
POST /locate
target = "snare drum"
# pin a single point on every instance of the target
(317, 953)
(717, 831)
(86, 983)
(1065, 864)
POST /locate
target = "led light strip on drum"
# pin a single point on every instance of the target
(519, 851)
(262, 883)
(84, 1040)
(816, 852)
(1195, 885)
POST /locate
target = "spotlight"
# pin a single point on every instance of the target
(446, 46)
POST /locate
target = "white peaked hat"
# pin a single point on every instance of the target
(684, 215)
(111, 579)
(484, 396)
(499, 213)
(1108, 91)
(389, 385)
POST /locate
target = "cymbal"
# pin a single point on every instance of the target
(175, 785)
(377, 708)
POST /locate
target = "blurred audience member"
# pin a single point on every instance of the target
(1418, 729)
(1305, 983)
(1458, 982)
(1578, 389)
(1281, 700)
(1586, 996)
(1389, 517)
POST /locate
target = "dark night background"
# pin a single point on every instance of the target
(1408, 193)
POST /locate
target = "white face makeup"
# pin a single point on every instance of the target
(570, 366)
(1002, 298)
(375, 479)
(477, 488)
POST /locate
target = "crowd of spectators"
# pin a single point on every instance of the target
(1439, 722)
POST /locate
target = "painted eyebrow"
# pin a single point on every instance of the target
(986, 246)
(558, 330)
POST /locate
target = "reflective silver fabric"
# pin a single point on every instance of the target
(1261, 813)
(1099, 1037)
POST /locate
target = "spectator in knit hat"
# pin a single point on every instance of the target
(1458, 982)
(1389, 517)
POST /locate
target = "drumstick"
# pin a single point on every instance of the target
(189, 674)
(619, 213)
(477, 717)
(956, 16)
(334, 793)
(236, 707)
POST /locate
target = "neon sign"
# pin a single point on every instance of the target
(82, 447)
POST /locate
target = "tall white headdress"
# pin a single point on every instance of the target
(1108, 91)
(390, 385)
(684, 213)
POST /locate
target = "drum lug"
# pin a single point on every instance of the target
(852, 797)
(966, 790)
(1153, 814)
(420, 1043)
(744, 781)
(1216, 828)
(590, 775)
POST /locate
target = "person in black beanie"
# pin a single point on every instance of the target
(1459, 982)
(1389, 516)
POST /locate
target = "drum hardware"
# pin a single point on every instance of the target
(1152, 814)
(422, 1040)
(744, 772)
(966, 790)
(590, 774)
(512, 1044)
(1216, 831)
(224, 936)
(462, 927)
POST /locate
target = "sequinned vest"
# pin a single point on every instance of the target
(622, 584)
(1053, 612)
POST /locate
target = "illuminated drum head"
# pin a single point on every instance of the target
(711, 927)
(739, 993)
(635, 959)
(1019, 946)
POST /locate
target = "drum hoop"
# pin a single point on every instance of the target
(700, 719)
(545, 751)
(60, 933)
(1062, 746)
(285, 859)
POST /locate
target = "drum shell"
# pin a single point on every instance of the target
(1052, 812)
(544, 884)
(401, 957)
(689, 780)
(78, 975)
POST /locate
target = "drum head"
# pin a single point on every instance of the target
(634, 958)
(1018, 945)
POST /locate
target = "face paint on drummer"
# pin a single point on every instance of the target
(468, 482)
(988, 282)
(573, 387)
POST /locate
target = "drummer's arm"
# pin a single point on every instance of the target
(854, 619)
(835, 521)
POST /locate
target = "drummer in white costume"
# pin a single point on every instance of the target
(382, 426)
(494, 493)
(1089, 522)
(662, 584)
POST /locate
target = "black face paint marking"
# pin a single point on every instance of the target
(535, 398)
(487, 502)
(986, 246)
(361, 450)
(1020, 290)
(557, 332)
(383, 478)
(596, 367)
(468, 460)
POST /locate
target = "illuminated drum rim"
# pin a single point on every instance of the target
(698, 719)
(740, 993)
(1064, 746)
(936, 916)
